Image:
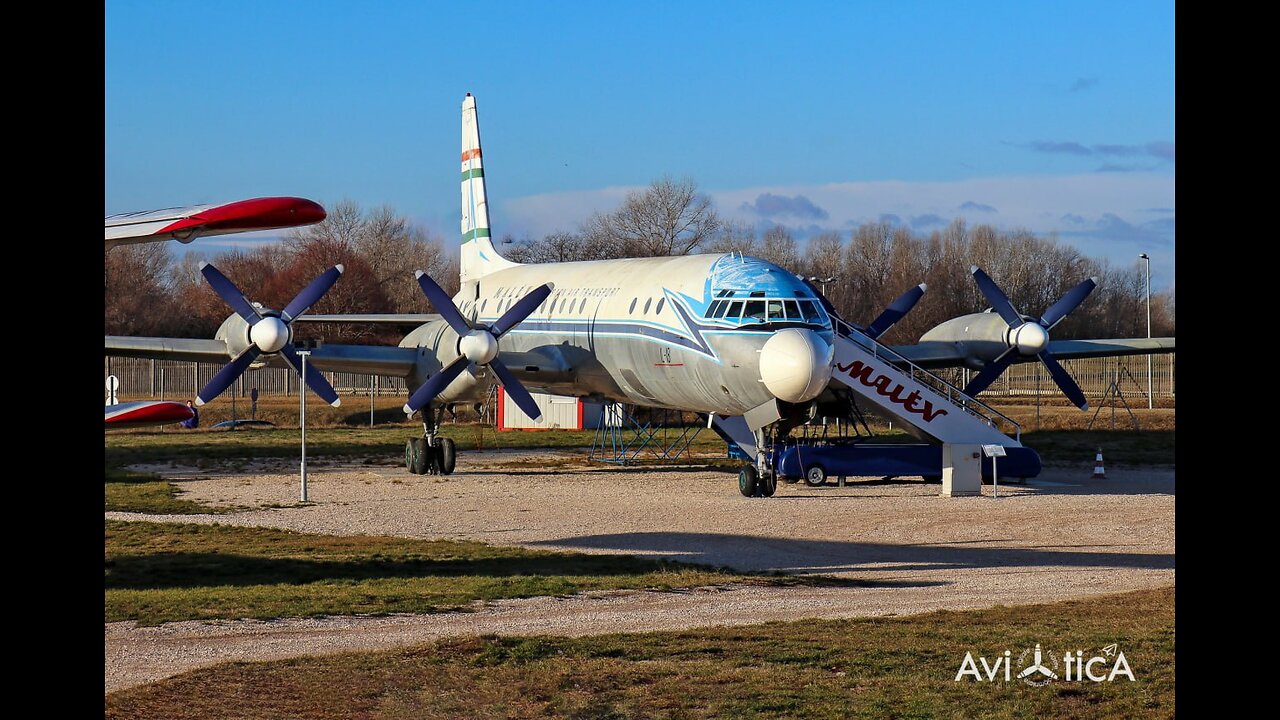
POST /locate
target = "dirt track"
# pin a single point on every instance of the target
(1064, 536)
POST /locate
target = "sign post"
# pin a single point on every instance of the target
(113, 384)
(994, 452)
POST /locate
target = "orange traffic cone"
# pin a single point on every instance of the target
(1098, 470)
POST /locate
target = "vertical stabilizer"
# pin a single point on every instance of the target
(479, 258)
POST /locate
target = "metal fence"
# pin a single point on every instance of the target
(171, 379)
(1093, 375)
(180, 380)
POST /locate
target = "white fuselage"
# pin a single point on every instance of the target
(636, 330)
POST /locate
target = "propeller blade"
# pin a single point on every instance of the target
(314, 378)
(227, 375)
(989, 373)
(521, 310)
(896, 311)
(443, 304)
(229, 293)
(1064, 380)
(1069, 302)
(435, 384)
(312, 293)
(515, 389)
(994, 295)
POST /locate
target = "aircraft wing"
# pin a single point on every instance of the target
(148, 413)
(168, 348)
(368, 359)
(932, 355)
(185, 224)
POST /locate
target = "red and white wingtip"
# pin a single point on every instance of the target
(184, 224)
(146, 414)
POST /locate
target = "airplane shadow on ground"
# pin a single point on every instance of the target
(202, 569)
(800, 556)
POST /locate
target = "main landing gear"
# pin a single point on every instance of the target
(430, 454)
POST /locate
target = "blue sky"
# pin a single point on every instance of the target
(1053, 117)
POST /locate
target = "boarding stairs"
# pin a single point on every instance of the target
(923, 403)
(897, 389)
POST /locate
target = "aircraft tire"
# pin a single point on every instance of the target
(420, 455)
(748, 478)
(448, 458)
(768, 484)
(815, 476)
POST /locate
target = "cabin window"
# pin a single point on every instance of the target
(632, 309)
(724, 305)
(735, 310)
(661, 302)
(646, 306)
(754, 311)
(775, 310)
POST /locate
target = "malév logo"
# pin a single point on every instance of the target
(1038, 666)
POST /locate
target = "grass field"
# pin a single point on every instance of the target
(866, 668)
(157, 572)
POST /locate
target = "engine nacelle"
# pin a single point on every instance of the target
(234, 331)
(437, 346)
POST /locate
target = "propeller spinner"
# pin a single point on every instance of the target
(478, 346)
(269, 333)
(1029, 337)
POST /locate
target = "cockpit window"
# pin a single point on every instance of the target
(754, 311)
(719, 311)
(810, 310)
(775, 310)
(793, 310)
(735, 310)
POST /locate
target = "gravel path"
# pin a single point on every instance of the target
(1062, 536)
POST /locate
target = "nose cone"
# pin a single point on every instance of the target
(270, 334)
(1030, 338)
(795, 365)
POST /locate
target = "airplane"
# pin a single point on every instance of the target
(185, 224)
(755, 348)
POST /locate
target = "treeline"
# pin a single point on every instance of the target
(874, 263)
(149, 293)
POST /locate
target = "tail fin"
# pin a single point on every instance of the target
(479, 258)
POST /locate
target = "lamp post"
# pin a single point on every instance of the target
(822, 281)
(1147, 260)
(303, 348)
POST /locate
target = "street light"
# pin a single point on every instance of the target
(303, 348)
(1146, 259)
(823, 282)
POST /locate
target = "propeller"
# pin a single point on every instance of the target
(478, 346)
(896, 311)
(269, 333)
(1029, 337)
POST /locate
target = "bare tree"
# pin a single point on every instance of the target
(733, 237)
(138, 289)
(668, 218)
(779, 248)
